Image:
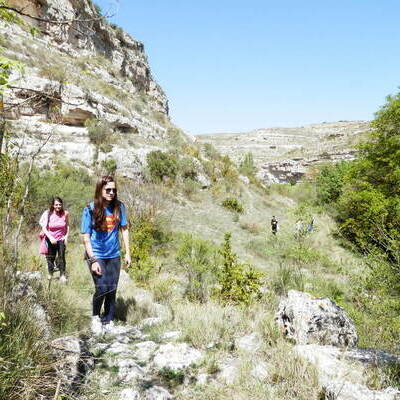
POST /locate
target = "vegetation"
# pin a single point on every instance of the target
(247, 166)
(233, 204)
(239, 283)
(162, 165)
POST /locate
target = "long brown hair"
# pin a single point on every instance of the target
(51, 206)
(99, 215)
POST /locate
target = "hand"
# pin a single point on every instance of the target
(65, 240)
(53, 241)
(128, 259)
(96, 269)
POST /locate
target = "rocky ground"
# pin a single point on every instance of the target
(132, 364)
(285, 154)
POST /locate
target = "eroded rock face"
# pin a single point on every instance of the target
(342, 372)
(315, 320)
(73, 361)
(89, 34)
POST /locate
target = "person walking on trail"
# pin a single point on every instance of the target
(274, 225)
(101, 221)
(55, 226)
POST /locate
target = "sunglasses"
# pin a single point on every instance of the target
(111, 190)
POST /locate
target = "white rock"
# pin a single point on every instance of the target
(129, 394)
(144, 351)
(119, 348)
(229, 371)
(202, 379)
(149, 322)
(260, 370)
(171, 335)
(342, 372)
(176, 356)
(249, 343)
(128, 370)
(315, 320)
(244, 179)
(157, 393)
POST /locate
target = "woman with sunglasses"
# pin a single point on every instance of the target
(55, 225)
(101, 221)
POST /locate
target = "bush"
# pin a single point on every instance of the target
(233, 204)
(330, 182)
(196, 258)
(247, 166)
(72, 184)
(109, 166)
(162, 165)
(100, 132)
(239, 283)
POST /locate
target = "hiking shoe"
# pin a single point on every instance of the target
(96, 326)
(109, 328)
(63, 279)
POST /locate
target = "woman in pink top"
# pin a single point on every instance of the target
(54, 223)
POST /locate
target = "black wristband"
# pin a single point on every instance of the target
(92, 260)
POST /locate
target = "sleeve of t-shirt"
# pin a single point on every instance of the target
(43, 219)
(124, 219)
(86, 222)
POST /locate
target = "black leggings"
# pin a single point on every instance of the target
(106, 288)
(56, 256)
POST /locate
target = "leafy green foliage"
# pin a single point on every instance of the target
(162, 165)
(10, 16)
(196, 258)
(99, 131)
(239, 283)
(72, 184)
(231, 203)
(109, 165)
(247, 166)
(330, 182)
(6, 67)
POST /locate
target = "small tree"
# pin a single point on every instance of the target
(161, 165)
(247, 166)
(240, 283)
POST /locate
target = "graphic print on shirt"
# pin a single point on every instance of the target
(108, 224)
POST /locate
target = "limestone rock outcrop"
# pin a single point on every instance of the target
(342, 373)
(315, 320)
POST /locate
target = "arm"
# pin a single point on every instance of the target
(95, 267)
(43, 224)
(67, 221)
(125, 239)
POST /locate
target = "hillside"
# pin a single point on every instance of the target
(75, 75)
(283, 154)
(214, 306)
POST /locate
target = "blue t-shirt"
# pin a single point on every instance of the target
(105, 242)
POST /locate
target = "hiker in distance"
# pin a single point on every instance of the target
(274, 225)
(55, 226)
(101, 221)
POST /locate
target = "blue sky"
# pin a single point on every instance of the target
(232, 66)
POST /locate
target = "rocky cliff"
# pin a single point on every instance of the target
(286, 154)
(78, 67)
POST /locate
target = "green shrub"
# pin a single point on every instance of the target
(247, 166)
(171, 378)
(330, 182)
(211, 152)
(196, 258)
(109, 166)
(100, 132)
(162, 165)
(233, 204)
(190, 187)
(74, 185)
(239, 283)
(187, 168)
